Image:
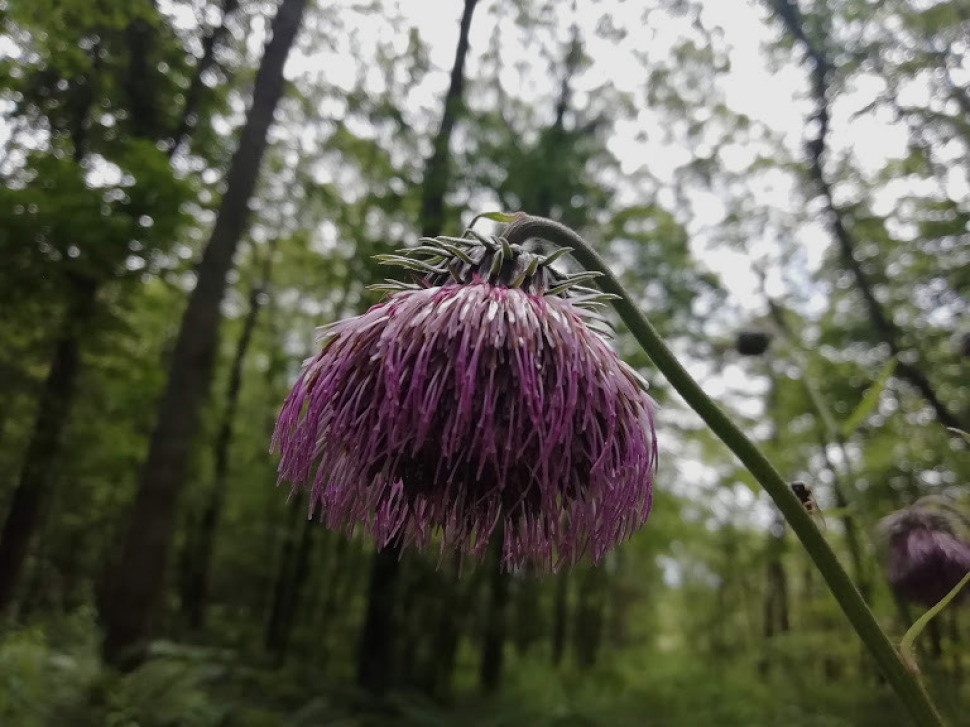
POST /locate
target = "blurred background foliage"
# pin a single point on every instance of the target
(725, 214)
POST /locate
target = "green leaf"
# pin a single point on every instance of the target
(868, 402)
(906, 646)
(504, 217)
(555, 255)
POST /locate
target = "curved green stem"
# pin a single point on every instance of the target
(907, 646)
(904, 682)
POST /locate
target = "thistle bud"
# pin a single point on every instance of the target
(926, 557)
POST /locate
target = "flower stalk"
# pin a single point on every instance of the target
(906, 684)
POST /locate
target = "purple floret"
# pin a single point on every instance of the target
(446, 412)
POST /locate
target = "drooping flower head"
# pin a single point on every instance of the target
(479, 401)
(927, 556)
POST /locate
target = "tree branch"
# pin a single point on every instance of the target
(437, 168)
(883, 324)
(193, 96)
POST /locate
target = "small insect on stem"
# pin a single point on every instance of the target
(805, 496)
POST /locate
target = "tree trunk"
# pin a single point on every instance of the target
(53, 411)
(336, 583)
(622, 598)
(776, 606)
(375, 648)
(842, 479)
(560, 616)
(775, 615)
(527, 622)
(590, 619)
(57, 395)
(454, 601)
(437, 171)
(198, 559)
(141, 76)
(137, 581)
(547, 196)
(493, 646)
(292, 583)
(193, 96)
(860, 573)
(284, 568)
(419, 597)
(882, 323)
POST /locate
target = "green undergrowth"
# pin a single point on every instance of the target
(50, 676)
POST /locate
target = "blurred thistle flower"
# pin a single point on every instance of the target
(482, 398)
(927, 556)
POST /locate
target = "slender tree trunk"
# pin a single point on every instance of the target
(588, 630)
(527, 622)
(560, 617)
(883, 325)
(775, 615)
(284, 569)
(198, 560)
(141, 77)
(420, 595)
(437, 172)
(334, 582)
(6, 403)
(808, 595)
(57, 395)
(137, 582)
(375, 647)
(777, 620)
(546, 194)
(842, 480)
(432, 615)
(53, 410)
(445, 634)
(188, 117)
(493, 645)
(285, 609)
(374, 650)
(275, 385)
(457, 597)
(437, 179)
(621, 599)
(860, 573)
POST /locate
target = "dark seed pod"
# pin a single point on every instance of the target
(752, 343)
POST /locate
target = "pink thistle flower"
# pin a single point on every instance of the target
(448, 411)
(926, 558)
